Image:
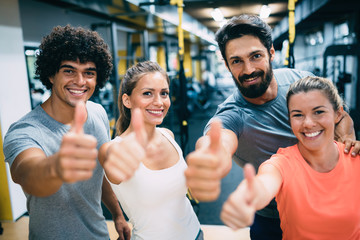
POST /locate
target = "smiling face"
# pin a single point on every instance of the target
(250, 65)
(151, 96)
(73, 82)
(312, 119)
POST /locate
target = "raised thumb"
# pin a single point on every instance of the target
(215, 135)
(137, 124)
(249, 175)
(79, 118)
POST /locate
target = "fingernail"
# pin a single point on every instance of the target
(346, 151)
(353, 154)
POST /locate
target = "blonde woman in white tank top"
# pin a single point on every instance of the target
(144, 164)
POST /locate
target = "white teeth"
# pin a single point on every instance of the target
(155, 112)
(313, 134)
(249, 79)
(76, 91)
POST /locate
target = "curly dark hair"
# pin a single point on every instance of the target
(72, 44)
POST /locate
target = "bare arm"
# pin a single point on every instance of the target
(42, 175)
(252, 194)
(35, 173)
(121, 159)
(345, 133)
(227, 147)
(344, 129)
(210, 162)
(111, 202)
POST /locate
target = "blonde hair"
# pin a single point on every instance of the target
(323, 85)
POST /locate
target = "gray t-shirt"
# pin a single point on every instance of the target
(261, 129)
(74, 211)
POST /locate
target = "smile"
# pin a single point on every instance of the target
(250, 79)
(156, 112)
(76, 92)
(313, 134)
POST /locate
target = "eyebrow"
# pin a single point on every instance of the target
(152, 89)
(318, 107)
(72, 67)
(315, 108)
(250, 54)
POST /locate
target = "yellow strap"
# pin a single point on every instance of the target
(5, 204)
(191, 197)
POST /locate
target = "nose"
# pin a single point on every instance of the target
(80, 79)
(157, 100)
(248, 68)
(308, 122)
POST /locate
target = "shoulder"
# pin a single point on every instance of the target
(96, 110)
(341, 148)
(231, 107)
(289, 75)
(29, 121)
(94, 107)
(167, 132)
(21, 135)
(284, 159)
(231, 113)
(117, 139)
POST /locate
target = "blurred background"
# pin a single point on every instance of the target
(320, 36)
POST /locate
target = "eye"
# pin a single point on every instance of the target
(165, 93)
(147, 93)
(296, 115)
(318, 112)
(69, 71)
(235, 61)
(90, 74)
(257, 56)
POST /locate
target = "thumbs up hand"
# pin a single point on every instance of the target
(239, 209)
(123, 158)
(205, 170)
(79, 118)
(76, 159)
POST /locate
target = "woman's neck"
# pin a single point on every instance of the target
(149, 130)
(323, 160)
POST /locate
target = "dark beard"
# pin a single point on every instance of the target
(256, 90)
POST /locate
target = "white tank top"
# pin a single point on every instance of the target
(155, 201)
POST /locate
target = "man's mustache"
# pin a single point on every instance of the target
(252, 75)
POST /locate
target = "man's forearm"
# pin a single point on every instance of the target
(227, 147)
(344, 129)
(35, 174)
(108, 197)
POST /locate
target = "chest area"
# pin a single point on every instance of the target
(161, 154)
(322, 205)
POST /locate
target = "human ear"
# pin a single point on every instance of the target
(272, 53)
(126, 100)
(339, 115)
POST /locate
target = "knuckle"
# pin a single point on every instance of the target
(93, 164)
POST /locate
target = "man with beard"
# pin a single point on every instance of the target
(254, 118)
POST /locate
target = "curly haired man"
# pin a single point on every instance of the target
(52, 150)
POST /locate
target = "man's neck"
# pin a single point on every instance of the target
(270, 94)
(60, 112)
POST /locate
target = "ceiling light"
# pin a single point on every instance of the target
(265, 11)
(217, 15)
(30, 52)
(212, 48)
